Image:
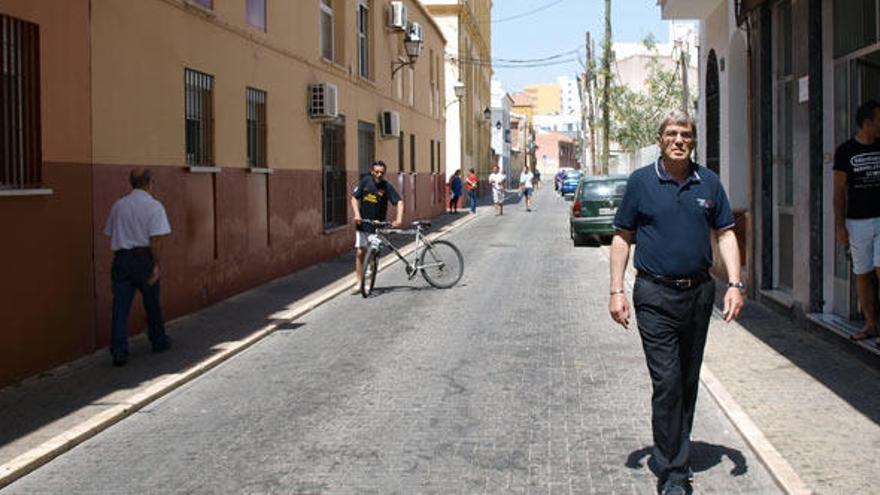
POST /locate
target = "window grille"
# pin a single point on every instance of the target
(256, 128)
(199, 110)
(20, 137)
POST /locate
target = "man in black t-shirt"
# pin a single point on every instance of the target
(369, 201)
(857, 209)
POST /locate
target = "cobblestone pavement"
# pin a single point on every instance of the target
(515, 381)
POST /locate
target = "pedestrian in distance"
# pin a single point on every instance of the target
(454, 191)
(526, 186)
(471, 184)
(136, 225)
(537, 180)
(670, 209)
(498, 181)
(857, 210)
(369, 201)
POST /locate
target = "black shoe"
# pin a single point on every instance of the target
(119, 361)
(676, 487)
(162, 346)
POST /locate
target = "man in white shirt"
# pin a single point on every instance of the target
(498, 180)
(136, 223)
(526, 182)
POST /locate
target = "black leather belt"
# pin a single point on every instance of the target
(138, 251)
(683, 283)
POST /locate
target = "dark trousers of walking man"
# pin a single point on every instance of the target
(130, 273)
(673, 324)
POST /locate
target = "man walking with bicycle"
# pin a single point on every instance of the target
(369, 201)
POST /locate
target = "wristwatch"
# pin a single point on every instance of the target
(739, 285)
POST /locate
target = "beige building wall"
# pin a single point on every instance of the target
(546, 98)
(138, 95)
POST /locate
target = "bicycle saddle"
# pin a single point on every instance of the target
(426, 223)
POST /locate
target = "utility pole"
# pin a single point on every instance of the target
(589, 116)
(606, 90)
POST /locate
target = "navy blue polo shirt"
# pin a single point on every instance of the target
(672, 222)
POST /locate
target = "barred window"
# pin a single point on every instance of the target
(334, 186)
(21, 151)
(256, 128)
(199, 110)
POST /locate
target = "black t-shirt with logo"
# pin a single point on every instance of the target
(374, 198)
(861, 162)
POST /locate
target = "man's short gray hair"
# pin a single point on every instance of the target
(676, 117)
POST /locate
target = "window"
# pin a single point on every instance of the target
(412, 153)
(327, 29)
(256, 13)
(432, 156)
(363, 38)
(366, 147)
(199, 111)
(439, 162)
(20, 142)
(855, 25)
(256, 128)
(334, 187)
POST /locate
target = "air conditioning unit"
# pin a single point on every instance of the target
(415, 32)
(397, 16)
(390, 124)
(322, 101)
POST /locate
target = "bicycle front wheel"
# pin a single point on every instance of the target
(442, 264)
(368, 276)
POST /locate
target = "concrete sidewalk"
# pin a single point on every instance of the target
(45, 415)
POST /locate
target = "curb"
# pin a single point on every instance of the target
(54, 447)
(780, 470)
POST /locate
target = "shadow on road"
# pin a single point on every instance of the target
(704, 456)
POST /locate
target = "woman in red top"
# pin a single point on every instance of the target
(471, 186)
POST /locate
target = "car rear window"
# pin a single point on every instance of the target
(603, 189)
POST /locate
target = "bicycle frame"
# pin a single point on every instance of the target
(378, 240)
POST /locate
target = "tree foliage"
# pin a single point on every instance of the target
(635, 114)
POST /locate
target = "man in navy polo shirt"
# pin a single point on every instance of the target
(670, 209)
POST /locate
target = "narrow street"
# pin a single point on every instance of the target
(515, 381)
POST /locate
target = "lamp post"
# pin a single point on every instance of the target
(412, 45)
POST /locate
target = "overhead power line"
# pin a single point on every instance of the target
(526, 14)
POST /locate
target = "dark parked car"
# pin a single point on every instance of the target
(569, 183)
(595, 203)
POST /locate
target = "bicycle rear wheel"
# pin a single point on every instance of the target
(442, 264)
(368, 276)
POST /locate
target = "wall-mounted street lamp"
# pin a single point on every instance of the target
(459, 90)
(487, 114)
(498, 125)
(412, 45)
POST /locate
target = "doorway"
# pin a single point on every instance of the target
(856, 79)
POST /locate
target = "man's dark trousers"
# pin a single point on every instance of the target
(131, 269)
(673, 324)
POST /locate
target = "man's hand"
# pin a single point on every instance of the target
(154, 275)
(842, 235)
(619, 309)
(733, 303)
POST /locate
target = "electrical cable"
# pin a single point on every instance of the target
(526, 14)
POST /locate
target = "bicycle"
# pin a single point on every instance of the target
(439, 261)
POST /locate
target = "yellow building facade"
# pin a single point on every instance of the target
(546, 98)
(466, 24)
(256, 118)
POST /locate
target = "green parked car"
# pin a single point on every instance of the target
(595, 203)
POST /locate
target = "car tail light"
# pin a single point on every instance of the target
(576, 208)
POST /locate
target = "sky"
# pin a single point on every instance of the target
(533, 29)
